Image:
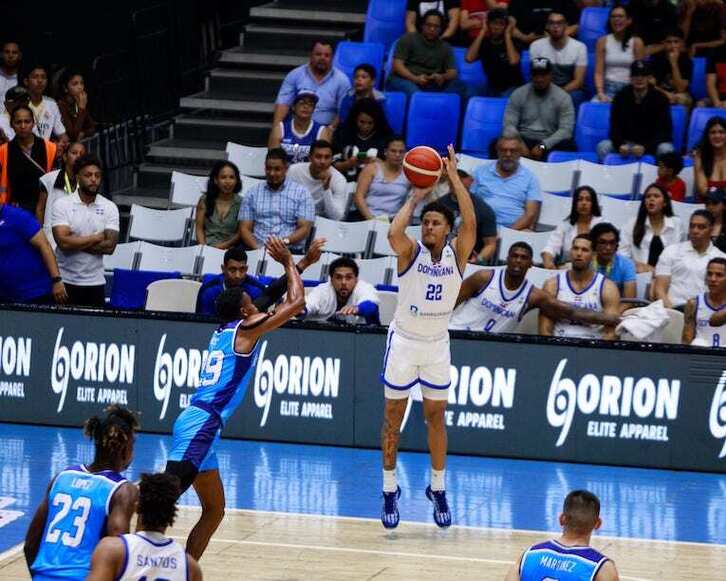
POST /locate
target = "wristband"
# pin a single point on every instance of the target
(56, 279)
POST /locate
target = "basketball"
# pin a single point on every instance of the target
(422, 166)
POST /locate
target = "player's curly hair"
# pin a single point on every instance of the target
(228, 304)
(158, 494)
(112, 432)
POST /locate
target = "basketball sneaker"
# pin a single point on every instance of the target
(389, 512)
(442, 514)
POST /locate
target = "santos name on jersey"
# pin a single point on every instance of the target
(589, 298)
(427, 292)
(556, 562)
(493, 309)
(151, 555)
(706, 334)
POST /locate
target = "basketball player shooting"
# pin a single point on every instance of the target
(417, 348)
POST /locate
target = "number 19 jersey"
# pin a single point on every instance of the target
(78, 507)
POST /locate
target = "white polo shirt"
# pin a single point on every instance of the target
(322, 302)
(79, 267)
(687, 269)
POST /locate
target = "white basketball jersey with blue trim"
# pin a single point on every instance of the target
(705, 333)
(427, 292)
(589, 298)
(151, 555)
(494, 309)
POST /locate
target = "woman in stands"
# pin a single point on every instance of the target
(73, 105)
(655, 227)
(614, 53)
(218, 210)
(382, 186)
(716, 205)
(298, 131)
(709, 158)
(585, 213)
(361, 139)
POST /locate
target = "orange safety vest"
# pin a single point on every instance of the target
(50, 150)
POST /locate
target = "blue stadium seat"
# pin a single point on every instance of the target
(128, 289)
(433, 120)
(483, 122)
(385, 21)
(524, 66)
(395, 109)
(349, 55)
(699, 118)
(472, 74)
(593, 23)
(679, 118)
(560, 156)
(590, 75)
(617, 159)
(388, 65)
(593, 125)
(697, 86)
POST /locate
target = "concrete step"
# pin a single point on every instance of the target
(256, 36)
(190, 152)
(157, 177)
(320, 14)
(206, 128)
(253, 83)
(359, 6)
(149, 197)
(227, 101)
(271, 59)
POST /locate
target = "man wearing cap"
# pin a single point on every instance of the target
(540, 113)
(640, 118)
(297, 132)
(14, 97)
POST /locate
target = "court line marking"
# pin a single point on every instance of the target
(380, 553)
(468, 527)
(11, 553)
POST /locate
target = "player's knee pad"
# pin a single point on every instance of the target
(185, 471)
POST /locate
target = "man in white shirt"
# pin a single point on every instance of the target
(14, 97)
(11, 57)
(48, 121)
(681, 269)
(326, 185)
(345, 298)
(567, 55)
(85, 227)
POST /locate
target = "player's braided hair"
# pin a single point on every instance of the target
(158, 494)
(112, 431)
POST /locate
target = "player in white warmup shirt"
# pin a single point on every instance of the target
(147, 553)
(494, 301)
(417, 349)
(701, 312)
(584, 288)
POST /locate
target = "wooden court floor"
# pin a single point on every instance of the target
(274, 546)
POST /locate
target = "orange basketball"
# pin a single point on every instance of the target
(422, 166)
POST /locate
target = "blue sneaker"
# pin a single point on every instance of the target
(442, 514)
(389, 512)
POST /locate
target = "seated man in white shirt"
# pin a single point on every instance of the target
(326, 185)
(345, 298)
(681, 269)
(702, 324)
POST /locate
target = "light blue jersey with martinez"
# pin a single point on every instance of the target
(78, 507)
(553, 561)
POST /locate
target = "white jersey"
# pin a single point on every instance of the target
(151, 555)
(427, 292)
(705, 333)
(589, 298)
(494, 309)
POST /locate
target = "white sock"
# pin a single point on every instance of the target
(390, 484)
(438, 478)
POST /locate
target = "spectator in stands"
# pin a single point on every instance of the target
(703, 23)
(48, 121)
(486, 221)
(73, 105)
(279, 207)
(382, 186)
(509, 188)
(530, 17)
(640, 118)
(14, 97)
(326, 184)
(653, 229)
(568, 57)
(669, 166)
(584, 214)
(700, 317)
(541, 113)
(680, 272)
(416, 11)
(494, 47)
(85, 227)
(296, 133)
(613, 266)
(715, 79)
(11, 59)
(709, 157)
(216, 222)
(56, 184)
(614, 53)
(364, 87)
(673, 69)
(583, 287)
(716, 205)
(319, 76)
(23, 161)
(651, 20)
(28, 269)
(361, 139)
(346, 298)
(475, 15)
(424, 62)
